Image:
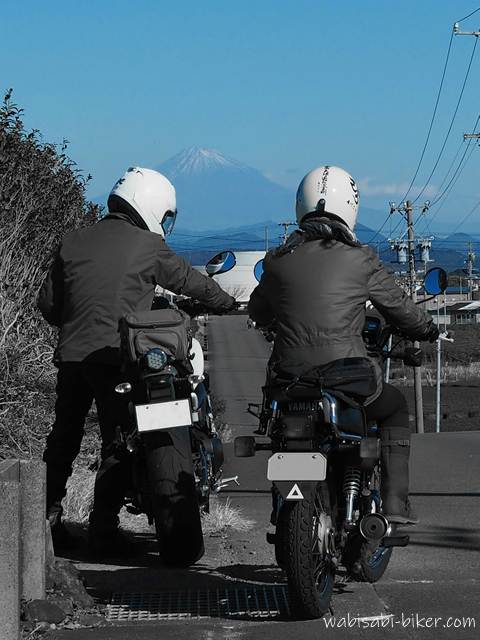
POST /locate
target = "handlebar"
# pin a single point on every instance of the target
(376, 338)
(193, 308)
(446, 336)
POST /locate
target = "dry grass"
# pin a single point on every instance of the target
(79, 499)
(450, 372)
(79, 502)
(223, 517)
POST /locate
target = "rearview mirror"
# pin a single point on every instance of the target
(221, 263)
(435, 281)
(258, 270)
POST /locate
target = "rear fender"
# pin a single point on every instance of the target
(295, 490)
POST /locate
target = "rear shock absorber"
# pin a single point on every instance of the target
(351, 489)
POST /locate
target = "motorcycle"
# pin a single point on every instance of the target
(325, 470)
(174, 451)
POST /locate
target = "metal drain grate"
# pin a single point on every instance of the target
(249, 602)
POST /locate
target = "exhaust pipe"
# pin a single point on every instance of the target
(374, 527)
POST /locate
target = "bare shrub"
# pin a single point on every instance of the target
(42, 196)
(239, 293)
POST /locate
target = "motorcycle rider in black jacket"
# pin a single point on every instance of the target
(315, 288)
(101, 273)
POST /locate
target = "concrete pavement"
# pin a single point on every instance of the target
(436, 576)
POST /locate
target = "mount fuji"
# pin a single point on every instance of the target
(215, 191)
(223, 203)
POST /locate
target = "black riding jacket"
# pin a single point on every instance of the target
(103, 272)
(316, 294)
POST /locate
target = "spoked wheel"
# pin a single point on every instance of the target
(306, 533)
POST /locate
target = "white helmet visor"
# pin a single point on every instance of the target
(168, 221)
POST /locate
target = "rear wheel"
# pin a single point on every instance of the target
(173, 496)
(305, 534)
(280, 548)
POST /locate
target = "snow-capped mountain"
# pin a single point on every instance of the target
(196, 160)
(214, 191)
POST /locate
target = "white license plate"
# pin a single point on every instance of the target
(163, 415)
(297, 466)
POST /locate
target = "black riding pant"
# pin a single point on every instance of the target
(78, 384)
(389, 410)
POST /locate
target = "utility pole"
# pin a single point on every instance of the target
(470, 261)
(439, 374)
(286, 226)
(457, 32)
(406, 210)
(417, 372)
(266, 239)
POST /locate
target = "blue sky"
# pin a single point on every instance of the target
(280, 85)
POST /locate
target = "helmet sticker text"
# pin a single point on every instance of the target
(323, 188)
(353, 184)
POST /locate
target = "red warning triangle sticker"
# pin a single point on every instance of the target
(295, 493)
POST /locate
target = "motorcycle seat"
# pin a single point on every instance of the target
(353, 378)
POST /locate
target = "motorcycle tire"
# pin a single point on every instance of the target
(310, 573)
(173, 497)
(280, 549)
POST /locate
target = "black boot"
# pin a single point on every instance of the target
(105, 539)
(111, 483)
(396, 507)
(62, 539)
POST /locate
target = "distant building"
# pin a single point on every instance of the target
(459, 313)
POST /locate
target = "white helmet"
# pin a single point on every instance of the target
(151, 195)
(329, 190)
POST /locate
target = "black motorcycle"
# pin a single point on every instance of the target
(169, 439)
(325, 470)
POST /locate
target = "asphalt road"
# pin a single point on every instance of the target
(437, 574)
(431, 584)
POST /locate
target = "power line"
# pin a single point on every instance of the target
(379, 231)
(451, 165)
(451, 185)
(432, 118)
(470, 14)
(397, 226)
(474, 208)
(456, 173)
(452, 120)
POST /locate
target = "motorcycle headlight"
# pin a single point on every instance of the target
(156, 359)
